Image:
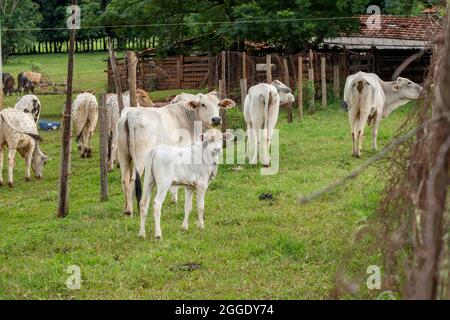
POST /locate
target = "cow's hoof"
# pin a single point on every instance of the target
(158, 238)
(266, 166)
(83, 155)
(142, 235)
(10, 184)
(128, 213)
(184, 227)
(201, 226)
(27, 179)
(1, 184)
(38, 178)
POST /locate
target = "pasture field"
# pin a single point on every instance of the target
(250, 249)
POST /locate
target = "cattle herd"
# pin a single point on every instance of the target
(142, 138)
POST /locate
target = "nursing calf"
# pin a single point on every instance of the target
(193, 167)
(18, 132)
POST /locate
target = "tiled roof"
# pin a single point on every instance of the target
(420, 28)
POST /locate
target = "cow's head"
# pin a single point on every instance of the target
(208, 108)
(144, 99)
(407, 89)
(284, 92)
(213, 141)
(38, 162)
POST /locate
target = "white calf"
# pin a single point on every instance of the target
(192, 167)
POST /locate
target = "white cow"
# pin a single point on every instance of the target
(261, 108)
(30, 104)
(193, 167)
(141, 129)
(19, 132)
(369, 100)
(112, 104)
(85, 116)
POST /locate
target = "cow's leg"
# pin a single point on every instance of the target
(201, 191)
(174, 194)
(145, 202)
(28, 158)
(271, 123)
(250, 142)
(125, 169)
(187, 208)
(361, 126)
(11, 164)
(157, 205)
(263, 141)
(1, 165)
(254, 146)
(376, 125)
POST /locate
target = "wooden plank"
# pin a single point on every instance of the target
(268, 68)
(117, 82)
(300, 87)
(323, 64)
(287, 82)
(104, 139)
(132, 64)
(311, 80)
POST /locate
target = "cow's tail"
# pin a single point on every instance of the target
(34, 136)
(132, 151)
(267, 96)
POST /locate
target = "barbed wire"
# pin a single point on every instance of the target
(178, 24)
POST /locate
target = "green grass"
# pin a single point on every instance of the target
(249, 249)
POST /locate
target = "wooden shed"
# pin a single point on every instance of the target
(382, 45)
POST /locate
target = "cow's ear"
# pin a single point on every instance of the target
(396, 88)
(192, 105)
(228, 136)
(227, 104)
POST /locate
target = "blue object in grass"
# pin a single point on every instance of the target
(47, 125)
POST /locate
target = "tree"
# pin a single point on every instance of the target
(212, 25)
(18, 14)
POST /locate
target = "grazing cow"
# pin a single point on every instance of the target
(369, 99)
(261, 107)
(85, 116)
(8, 84)
(169, 166)
(141, 129)
(19, 132)
(29, 104)
(24, 85)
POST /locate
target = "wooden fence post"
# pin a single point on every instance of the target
(117, 82)
(323, 75)
(287, 82)
(311, 81)
(180, 61)
(336, 80)
(300, 87)
(269, 68)
(223, 91)
(132, 65)
(104, 139)
(244, 79)
(63, 198)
